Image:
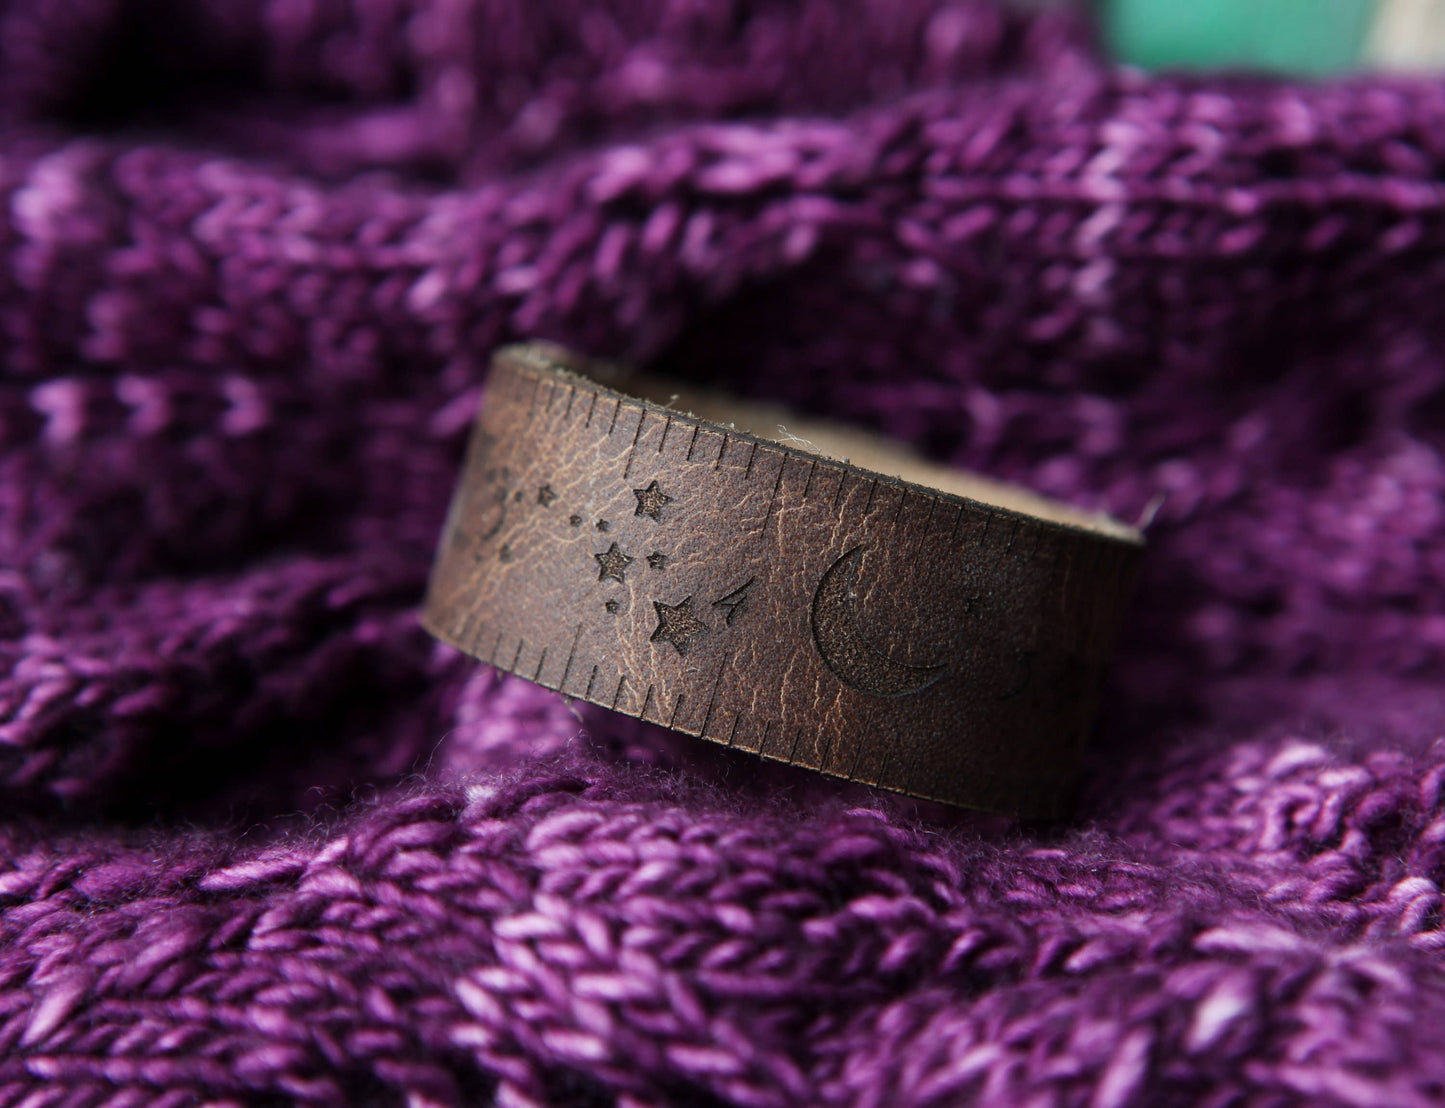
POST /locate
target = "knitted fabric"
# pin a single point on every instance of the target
(263, 842)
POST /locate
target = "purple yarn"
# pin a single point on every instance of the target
(263, 842)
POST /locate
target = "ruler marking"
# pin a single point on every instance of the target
(902, 500)
(692, 445)
(590, 682)
(733, 734)
(721, 452)
(621, 682)
(542, 661)
(907, 784)
(872, 491)
(763, 742)
(827, 749)
(532, 408)
(571, 396)
(982, 535)
(748, 472)
(712, 700)
(459, 631)
(676, 707)
(566, 669)
(551, 396)
(953, 531)
(646, 700)
(1013, 534)
(882, 766)
(666, 427)
(773, 499)
(853, 769)
(927, 522)
(838, 493)
(632, 452)
(496, 646)
(517, 657)
(592, 407)
(476, 636)
(1034, 550)
(615, 410)
(793, 750)
(808, 486)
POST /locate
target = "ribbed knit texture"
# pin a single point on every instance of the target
(262, 842)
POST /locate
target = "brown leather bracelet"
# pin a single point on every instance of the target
(941, 636)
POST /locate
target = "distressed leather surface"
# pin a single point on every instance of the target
(774, 600)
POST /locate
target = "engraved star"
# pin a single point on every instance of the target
(545, 496)
(650, 501)
(657, 560)
(676, 624)
(613, 563)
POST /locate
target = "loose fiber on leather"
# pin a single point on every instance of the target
(263, 842)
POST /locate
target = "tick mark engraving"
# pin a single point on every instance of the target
(827, 749)
(632, 451)
(773, 499)
(613, 564)
(532, 407)
(692, 444)
(651, 501)
(712, 699)
(657, 560)
(676, 624)
(844, 649)
(545, 496)
(898, 512)
(567, 668)
(735, 602)
(928, 522)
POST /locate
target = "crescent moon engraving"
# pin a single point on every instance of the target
(840, 641)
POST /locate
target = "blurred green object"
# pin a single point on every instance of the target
(1313, 37)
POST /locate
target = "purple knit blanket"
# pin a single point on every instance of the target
(263, 842)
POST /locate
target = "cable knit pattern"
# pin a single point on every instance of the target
(262, 842)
